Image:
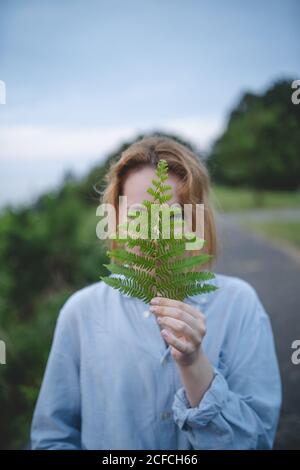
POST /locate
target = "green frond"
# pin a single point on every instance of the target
(165, 198)
(147, 204)
(156, 183)
(160, 267)
(167, 252)
(141, 278)
(184, 291)
(188, 262)
(179, 279)
(153, 193)
(127, 286)
(128, 257)
(146, 246)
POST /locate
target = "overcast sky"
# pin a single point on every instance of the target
(81, 75)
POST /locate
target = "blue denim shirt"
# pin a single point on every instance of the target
(112, 383)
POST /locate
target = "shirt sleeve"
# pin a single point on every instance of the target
(56, 420)
(240, 410)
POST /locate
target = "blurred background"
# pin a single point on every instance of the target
(84, 80)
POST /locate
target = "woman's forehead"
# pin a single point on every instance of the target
(138, 181)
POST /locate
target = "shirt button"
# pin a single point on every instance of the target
(165, 415)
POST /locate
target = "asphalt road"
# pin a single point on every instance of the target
(275, 273)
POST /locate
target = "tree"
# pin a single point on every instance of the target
(261, 146)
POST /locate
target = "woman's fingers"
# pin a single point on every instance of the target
(177, 304)
(161, 311)
(180, 328)
(183, 327)
(178, 310)
(179, 344)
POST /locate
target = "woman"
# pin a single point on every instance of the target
(198, 374)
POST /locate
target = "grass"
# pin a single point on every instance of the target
(288, 232)
(227, 199)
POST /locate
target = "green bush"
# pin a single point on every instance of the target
(261, 145)
(47, 251)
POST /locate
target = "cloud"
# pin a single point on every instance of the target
(33, 159)
(42, 142)
(202, 131)
(32, 142)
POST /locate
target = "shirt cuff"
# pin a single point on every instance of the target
(209, 407)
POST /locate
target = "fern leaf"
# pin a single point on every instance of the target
(179, 265)
(160, 267)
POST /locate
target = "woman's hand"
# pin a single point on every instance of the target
(182, 327)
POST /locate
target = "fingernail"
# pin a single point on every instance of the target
(152, 309)
(164, 333)
(154, 301)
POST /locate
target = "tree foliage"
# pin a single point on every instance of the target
(261, 146)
